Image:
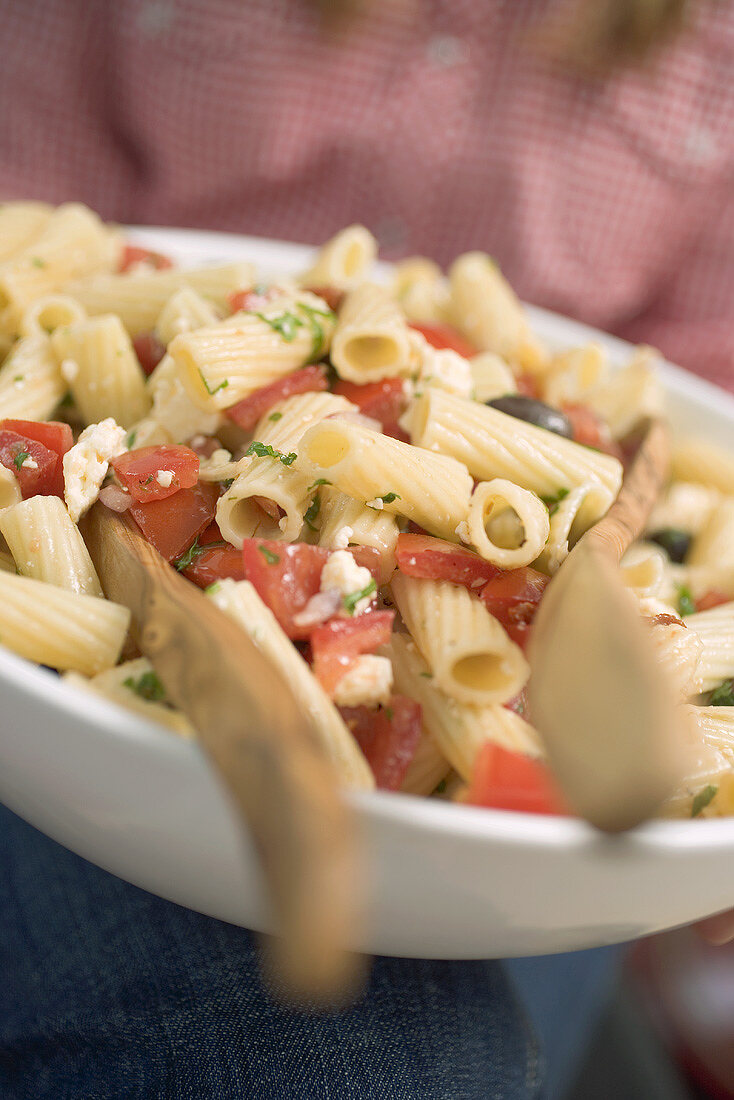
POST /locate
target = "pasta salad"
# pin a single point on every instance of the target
(376, 482)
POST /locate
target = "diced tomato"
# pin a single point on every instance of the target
(446, 336)
(54, 434)
(287, 574)
(132, 254)
(138, 471)
(337, 643)
(388, 737)
(527, 385)
(384, 401)
(437, 560)
(247, 412)
(252, 298)
(591, 431)
(504, 780)
(513, 597)
(43, 474)
(210, 565)
(713, 598)
(332, 295)
(149, 350)
(172, 524)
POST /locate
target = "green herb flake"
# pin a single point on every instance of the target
(264, 450)
(702, 799)
(686, 604)
(66, 401)
(227, 483)
(270, 557)
(212, 588)
(285, 324)
(389, 713)
(20, 458)
(319, 481)
(18, 378)
(275, 417)
(130, 441)
(312, 512)
(441, 787)
(38, 262)
(222, 385)
(552, 503)
(390, 497)
(194, 552)
(427, 675)
(147, 687)
(350, 602)
(723, 695)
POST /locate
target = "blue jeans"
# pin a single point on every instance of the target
(110, 993)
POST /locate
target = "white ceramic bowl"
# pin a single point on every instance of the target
(444, 880)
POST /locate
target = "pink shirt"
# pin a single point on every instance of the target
(612, 201)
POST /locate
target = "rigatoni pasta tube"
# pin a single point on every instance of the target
(489, 500)
(102, 369)
(492, 377)
(184, 311)
(342, 516)
(343, 261)
(679, 650)
(421, 289)
(427, 769)
(65, 630)
(239, 513)
(47, 545)
(467, 650)
(31, 384)
(685, 505)
(485, 307)
(696, 460)
(222, 364)
(431, 489)
(138, 299)
(714, 543)
(564, 530)
(240, 601)
(715, 628)
(459, 730)
(122, 685)
(44, 315)
(21, 223)
(73, 242)
(10, 492)
(710, 760)
(492, 444)
(371, 338)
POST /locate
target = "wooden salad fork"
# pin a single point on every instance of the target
(256, 736)
(601, 702)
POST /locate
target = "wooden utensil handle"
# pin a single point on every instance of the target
(257, 738)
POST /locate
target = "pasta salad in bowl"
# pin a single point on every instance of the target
(375, 473)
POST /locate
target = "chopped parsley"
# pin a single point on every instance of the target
(212, 588)
(66, 400)
(275, 417)
(288, 323)
(388, 498)
(350, 602)
(686, 604)
(130, 441)
(427, 675)
(227, 483)
(222, 385)
(147, 687)
(38, 262)
(270, 557)
(312, 512)
(195, 551)
(723, 695)
(264, 450)
(552, 503)
(317, 482)
(389, 713)
(20, 458)
(441, 787)
(285, 324)
(702, 799)
(18, 378)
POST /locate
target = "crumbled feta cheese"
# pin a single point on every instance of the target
(367, 683)
(86, 464)
(378, 504)
(342, 573)
(462, 531)
(443, 368)
(341, 538)
(29, 464)
(69, 369)
(164, 478)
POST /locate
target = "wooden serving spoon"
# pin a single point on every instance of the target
(600, 700)
(257, 738)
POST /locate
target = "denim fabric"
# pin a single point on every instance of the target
(110, 993)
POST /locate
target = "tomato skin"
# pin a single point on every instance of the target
(513, 597)
(45, 478)
(504, 780)
(437, 560)
(216, 564)
(149, 351)
(713, 598)
(136, 470)
(590, 430)
(54, 435)
(133, 254)
(446, 336)
(388, 737)
(287, 574)
(384, 401)
(337, 644)
(247, 412)
(172, 524)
